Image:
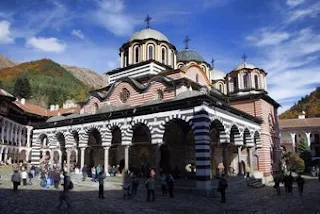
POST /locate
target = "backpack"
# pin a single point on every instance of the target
(43, 183)
(71, 185)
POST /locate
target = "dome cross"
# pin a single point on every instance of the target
(186, 41)
(244, 57)
(212, 63)
(147, 20)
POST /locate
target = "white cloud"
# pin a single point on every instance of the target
(77, 33)
(294, 3)
(111, 15)
(267, 37)
(311, 12)
(46, 44)
(5, 34)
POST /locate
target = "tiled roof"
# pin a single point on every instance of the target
(299, 123)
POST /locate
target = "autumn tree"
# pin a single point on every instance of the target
(21, 87)
(293, 162)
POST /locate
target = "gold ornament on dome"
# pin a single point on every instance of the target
(124, 95)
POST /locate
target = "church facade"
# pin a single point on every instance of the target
(168, 109)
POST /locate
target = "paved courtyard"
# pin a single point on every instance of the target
(33, 199)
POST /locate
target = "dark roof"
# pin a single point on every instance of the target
(189, 55)
(263, 95)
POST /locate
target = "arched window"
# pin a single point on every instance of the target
(159, 94)
(246, 81)
(150, 52)
(136, 54)
(172, 55)
(235, 83)
(126, 58)
(197, 78)
(164, 55)
(204, 68)
(256, 81)
(221, 88)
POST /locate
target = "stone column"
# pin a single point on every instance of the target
(29, 129)
(2, 130)
(51, 157)
(82, 158)
(5, 157)
(157, 157)
(239, 161)
(106, 158)
(126, 157)
(225, 158)
(293, 138)
(250, 158)
(308, 140)
(68, 160)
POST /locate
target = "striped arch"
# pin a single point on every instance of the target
(235, 135)
(257, 139)
(218, 124)
(247, 139)
(157, 133)
(56, 141)
(127, 139)
(71, 137)
(110, 127)
(87, 132)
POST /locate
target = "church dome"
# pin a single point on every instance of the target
(244, 65)
(189, 55)
(217, 74)
(148, 33)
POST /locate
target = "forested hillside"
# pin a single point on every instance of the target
(49, 82)
(310, 104)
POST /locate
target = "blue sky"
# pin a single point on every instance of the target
(280, 36)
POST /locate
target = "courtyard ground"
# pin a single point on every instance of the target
(84, 198)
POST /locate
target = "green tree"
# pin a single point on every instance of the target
(293, 162)
(21, 87)
(304, 153)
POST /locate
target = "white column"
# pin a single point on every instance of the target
(29, 129)
(51, 156)
(239, 161)
(20, 135)
(68, 160)
(293, 139)
(225, 158)
(106, 158)
(5, 157)
(308, 139)
(8, 131)
(250, 158)
(126, 157)
(82, 158)
(2, 130)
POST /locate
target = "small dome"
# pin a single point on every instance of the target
(217, 74)
(189, 55)
(148, 33)
(244, 65)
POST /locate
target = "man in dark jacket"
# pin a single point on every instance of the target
(64, 195)
(222, 186)
(84, 172)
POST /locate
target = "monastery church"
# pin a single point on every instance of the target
(167, 109)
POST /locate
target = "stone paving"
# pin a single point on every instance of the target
(84, 198)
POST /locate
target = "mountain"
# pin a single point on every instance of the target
(50, 83)
(5, 62)
(87, 76)
(310, 104)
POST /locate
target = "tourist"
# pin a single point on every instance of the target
(163, 182)
(56, 178)
(84, 172)
(67, 186)
(16, 179)
(170, 182)
(126, 185)
(277, 181)
(135, 183)
(93, 174)
(30, 176)
(98, 169)
(101, 177)
(150, 185)
(290, 183)
(300, 182)
(222, 186)
(24, 176)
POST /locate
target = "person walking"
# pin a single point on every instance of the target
(101, 177)
(24, 176)
(277, 181)
(84, 172)
(163, 182)
(170, 182)
(16, 179)
(67, 186)
(93, 174)
(290, 183)
(135, 183)
(300, 182)
(222, 186)
(150, 185)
